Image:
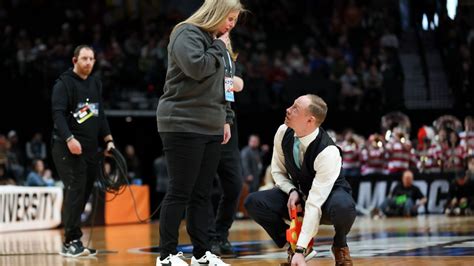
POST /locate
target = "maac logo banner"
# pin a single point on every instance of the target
(26, 208)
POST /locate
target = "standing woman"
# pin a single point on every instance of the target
(193, 118)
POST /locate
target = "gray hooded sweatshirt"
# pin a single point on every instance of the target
(193, 99)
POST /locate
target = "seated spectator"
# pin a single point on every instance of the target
(36, 148)
(461, 194)
(10, 157)
(39, 176)
(16, 152)
(404, 199)
(5, 176)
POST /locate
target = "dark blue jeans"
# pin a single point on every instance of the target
(192, 163)
(269, 209)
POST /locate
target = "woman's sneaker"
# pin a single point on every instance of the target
(172, 260)
(74, 249)
(208, 259)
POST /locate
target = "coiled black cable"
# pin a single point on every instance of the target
(113, 182)
(116, 181)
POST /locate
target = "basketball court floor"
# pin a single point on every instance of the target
(425, 240)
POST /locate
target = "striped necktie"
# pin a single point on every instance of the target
(296, 151)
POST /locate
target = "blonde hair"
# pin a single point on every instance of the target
(233, 54)
(317, 107)
(211, 14)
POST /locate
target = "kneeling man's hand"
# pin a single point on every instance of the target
(298, 260)
(293, 200)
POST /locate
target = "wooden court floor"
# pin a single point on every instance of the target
(425, 240)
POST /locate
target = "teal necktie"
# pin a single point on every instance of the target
(296, 151)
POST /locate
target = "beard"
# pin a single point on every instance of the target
(87, 71)
(84, 70)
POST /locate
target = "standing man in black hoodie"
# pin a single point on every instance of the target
(79, 122)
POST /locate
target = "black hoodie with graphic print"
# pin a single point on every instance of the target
(71, 92)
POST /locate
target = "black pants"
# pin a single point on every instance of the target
(192, 163)
(78, 173)
(229, 171)
(269, 209)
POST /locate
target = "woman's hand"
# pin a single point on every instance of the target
(227, 134)
(225, 38)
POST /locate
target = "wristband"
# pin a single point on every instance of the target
(70, 138)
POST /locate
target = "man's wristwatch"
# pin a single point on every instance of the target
(300, 250)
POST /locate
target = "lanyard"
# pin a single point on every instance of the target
(228, 66)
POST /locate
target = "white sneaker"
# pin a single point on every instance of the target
(172, 260)
(208, 259)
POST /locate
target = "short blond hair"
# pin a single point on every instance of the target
(317, 107)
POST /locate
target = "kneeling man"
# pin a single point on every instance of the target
(306, 167)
